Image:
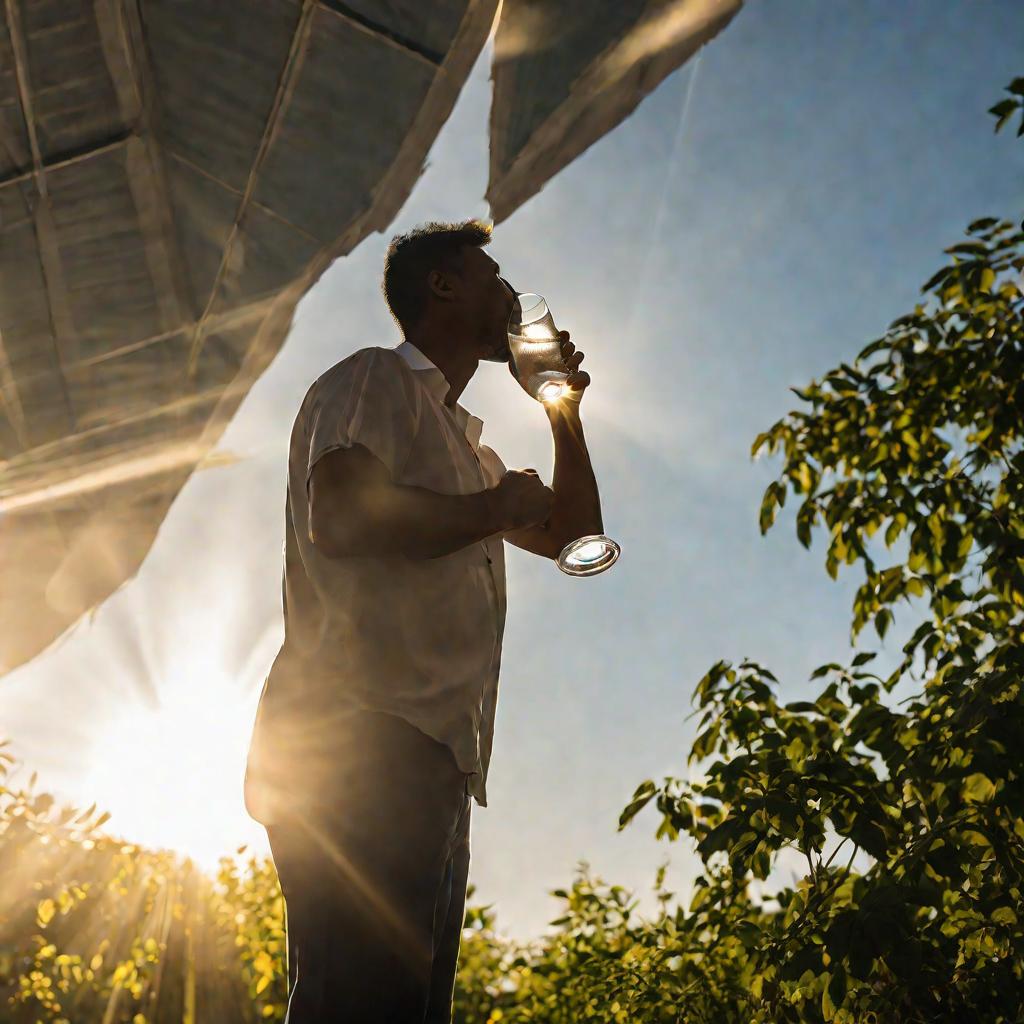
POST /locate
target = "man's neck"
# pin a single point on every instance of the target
(454, 361)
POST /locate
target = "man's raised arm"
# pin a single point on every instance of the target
(356, 509)
(576, 510)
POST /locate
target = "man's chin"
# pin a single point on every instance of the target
(501, 354)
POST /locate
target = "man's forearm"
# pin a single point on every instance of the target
(420, 523)
(577, 507)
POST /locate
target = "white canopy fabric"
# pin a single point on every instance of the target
(566, 74)
(176, 174)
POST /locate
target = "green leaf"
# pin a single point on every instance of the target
(982, 224)
(807, 959)
(722, 836)
(936, 279)
(1003, 915)
(759, 442)
(970, 248)
(45, 911)
(839, 934)
(643, 795)
(883, 619)
(774, 498)
(828, 1007)
(978, 788)
(868, 835)
(1002, 112)
(801, 706)
(805, 518)
(837, 985)
(705, 742)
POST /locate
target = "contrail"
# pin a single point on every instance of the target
(673, 160)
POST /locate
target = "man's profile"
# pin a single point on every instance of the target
(374, 728)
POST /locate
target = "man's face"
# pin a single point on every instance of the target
(490, 299)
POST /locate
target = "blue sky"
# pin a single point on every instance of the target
(829, 152)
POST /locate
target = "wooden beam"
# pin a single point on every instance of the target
(253, 204)
(155, 225)
(382, 33)
(389, 196)
(236, 316)
(67, 159)
(127, 60)
(64, 335)
(11, 398)
(285, 89)
(17, 38)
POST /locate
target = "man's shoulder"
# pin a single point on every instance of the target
(362, 362)
(357, 362)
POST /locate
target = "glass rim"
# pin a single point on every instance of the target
(611, 555)
(538, 308)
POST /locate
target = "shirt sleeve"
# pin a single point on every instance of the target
(366, 400)
(492, 465)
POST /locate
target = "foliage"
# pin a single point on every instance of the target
(1006, 108)
(249, 903)
(917, 444)
(596, 962)
(96, 929)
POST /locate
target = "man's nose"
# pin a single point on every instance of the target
(512, 297)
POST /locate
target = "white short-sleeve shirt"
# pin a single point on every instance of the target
(420, 638)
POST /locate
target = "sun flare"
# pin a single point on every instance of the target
(171, 775)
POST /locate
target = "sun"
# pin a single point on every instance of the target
(171, 775)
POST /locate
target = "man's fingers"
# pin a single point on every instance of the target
(578, 381)
(567, 347)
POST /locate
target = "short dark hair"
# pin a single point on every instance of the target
(411, 257)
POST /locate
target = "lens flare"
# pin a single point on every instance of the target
(171, 774)
(550, 392)
(537, 332)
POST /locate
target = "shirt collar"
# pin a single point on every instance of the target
(437, 384)
(414, 357)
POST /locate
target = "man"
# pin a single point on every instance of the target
(375, 724)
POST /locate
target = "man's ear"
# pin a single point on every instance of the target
(440, 285)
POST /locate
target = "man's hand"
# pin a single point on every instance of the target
(521, 499)
(577, 381)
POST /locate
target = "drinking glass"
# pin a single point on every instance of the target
(536, 350)
(537, 364)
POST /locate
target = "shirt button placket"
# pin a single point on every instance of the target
(483, 480)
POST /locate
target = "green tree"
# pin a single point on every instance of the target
(903, 795)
